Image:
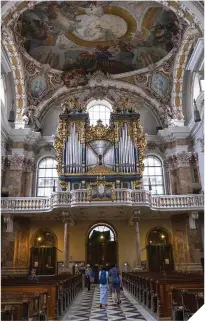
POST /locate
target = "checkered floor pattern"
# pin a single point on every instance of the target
(87, 307)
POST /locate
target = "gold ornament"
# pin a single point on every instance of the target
(100, 132)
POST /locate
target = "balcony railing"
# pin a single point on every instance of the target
(81, 197)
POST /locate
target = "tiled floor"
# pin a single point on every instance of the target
(86, 307)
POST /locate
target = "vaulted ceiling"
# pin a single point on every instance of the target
(62, 47)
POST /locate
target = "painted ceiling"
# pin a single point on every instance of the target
(107, 36)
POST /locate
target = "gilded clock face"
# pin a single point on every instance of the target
(111, 36)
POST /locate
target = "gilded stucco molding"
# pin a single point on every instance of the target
(9, 42)
(189, 38)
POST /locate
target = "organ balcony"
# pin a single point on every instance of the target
(123, 198)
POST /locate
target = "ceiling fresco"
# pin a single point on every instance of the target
(90, 36)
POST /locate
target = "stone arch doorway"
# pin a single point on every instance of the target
(43, 252)
(159, 250)
(102, 246)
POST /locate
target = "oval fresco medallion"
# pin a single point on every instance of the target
(99, 35)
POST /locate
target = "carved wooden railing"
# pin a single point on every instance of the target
(126, 197)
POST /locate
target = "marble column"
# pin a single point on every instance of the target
(136, 220)
(66, 246)
(178, 166)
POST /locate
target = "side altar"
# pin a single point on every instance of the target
(99, 155)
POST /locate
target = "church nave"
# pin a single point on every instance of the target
(86, 307)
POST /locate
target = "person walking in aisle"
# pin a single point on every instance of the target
(88, 275)
(114, 276)
(103, 280)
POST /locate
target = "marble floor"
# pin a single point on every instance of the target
(86, 307)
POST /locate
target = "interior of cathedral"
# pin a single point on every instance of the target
(102, 159)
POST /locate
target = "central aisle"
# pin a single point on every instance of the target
(87, 307)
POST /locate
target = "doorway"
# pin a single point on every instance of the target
(44, 252)
(159, 251)
(102, 247)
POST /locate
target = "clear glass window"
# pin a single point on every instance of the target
(101, 232)
(153, 175)
(2, 90)
(196, 89)
(99, 110)
(46, 176)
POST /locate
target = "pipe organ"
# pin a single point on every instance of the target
(72, 153)
(127, 152)
(86, 152)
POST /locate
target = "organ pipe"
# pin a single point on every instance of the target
(91, 158)
(73, 152)
(109, 158)
(127, 159)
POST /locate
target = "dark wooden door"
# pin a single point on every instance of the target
(160, 258)
(99, 253)
(43, 259)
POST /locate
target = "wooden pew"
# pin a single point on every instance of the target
(7, 313)
(154, 290)
(185, 302)
(60, 290)
(26, 305)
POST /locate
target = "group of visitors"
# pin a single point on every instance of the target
(107, 280)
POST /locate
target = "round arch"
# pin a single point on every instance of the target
(102, 248)
(40, 233)
(63, 93)
(102, 224)
(162, 229)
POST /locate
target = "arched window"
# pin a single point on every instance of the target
(99, 110)
(153, 175)
(101, 232)
(46, 176)
(196, 87)
(2, 90)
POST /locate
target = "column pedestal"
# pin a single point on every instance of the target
(136, 220)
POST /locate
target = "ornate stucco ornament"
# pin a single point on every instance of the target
(99, 76)
(99, 132)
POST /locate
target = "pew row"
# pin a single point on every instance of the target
(154, 290)
(61, 290)
(24, 306)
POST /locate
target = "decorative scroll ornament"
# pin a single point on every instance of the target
(59, 141)
(178, 160)
(99, 76)
(101, 191)
(99, 132)
(72, 105)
